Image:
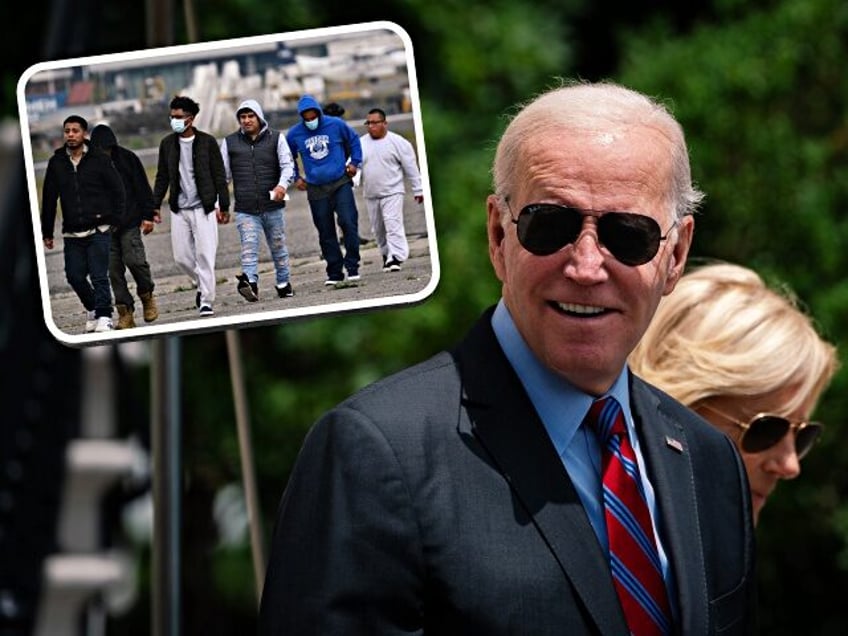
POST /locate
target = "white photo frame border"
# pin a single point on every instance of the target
(239, 320)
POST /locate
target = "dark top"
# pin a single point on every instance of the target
(139, 193)
(209, 174)
(434, 502)
(92, 193)
(255, 168)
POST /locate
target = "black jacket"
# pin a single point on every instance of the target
(139, 193)
(209, 172)
(92, 194)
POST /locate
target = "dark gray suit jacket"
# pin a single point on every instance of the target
(433, 502)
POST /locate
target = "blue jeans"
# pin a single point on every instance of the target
(273, 225)
(342, 202)
(87, 259)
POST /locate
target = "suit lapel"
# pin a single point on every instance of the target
(502, 418)
(666, 453)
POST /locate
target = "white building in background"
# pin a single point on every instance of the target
(352, 68)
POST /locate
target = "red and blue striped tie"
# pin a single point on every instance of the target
(634, 561)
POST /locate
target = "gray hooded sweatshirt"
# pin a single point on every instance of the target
(256, 165)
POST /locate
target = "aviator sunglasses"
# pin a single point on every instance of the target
(545, 228)
(764, 430)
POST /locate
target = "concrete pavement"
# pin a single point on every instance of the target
(175, 295)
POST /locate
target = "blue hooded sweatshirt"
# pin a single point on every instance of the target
(325, 150)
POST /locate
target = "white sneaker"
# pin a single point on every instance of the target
(104, 323)
(90, 321)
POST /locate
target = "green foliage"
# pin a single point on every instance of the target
(473, 63)
(233, 573)
(761, 98)
(758, 87)
(764, 103)
(489, 54)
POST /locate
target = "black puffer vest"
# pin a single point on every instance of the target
(255, 168)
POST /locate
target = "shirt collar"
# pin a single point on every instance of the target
(560, 405)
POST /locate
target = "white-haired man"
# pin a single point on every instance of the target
(530, 484)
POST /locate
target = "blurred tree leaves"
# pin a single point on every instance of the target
(756, 86)
(759, 88)
(764, 103)
(470, 70)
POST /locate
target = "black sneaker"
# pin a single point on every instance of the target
(285, 291)
(206, 310)
(392, 265)
(250, 291)
(334, 280)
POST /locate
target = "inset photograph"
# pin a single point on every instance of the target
(224, 184)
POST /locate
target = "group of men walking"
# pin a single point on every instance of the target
(108, 204)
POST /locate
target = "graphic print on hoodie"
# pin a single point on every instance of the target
(325, 150)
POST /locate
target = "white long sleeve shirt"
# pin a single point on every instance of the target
(385, 163)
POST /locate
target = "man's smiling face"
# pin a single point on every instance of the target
(580, 310)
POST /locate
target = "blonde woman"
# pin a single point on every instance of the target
(748, 359)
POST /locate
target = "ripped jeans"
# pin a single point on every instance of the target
(250, 228)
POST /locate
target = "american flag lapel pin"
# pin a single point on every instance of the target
(674, 443)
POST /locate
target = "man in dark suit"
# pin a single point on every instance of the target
(469, 494)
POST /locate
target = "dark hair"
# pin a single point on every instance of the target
(334, 109)
(186, 104)
(378, 111)
(75, 119)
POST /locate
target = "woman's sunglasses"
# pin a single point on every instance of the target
(764, 430)
(545, 228)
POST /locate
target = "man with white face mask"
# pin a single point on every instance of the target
(324, 144)
(192, 169)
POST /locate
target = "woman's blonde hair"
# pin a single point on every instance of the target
(724, 333)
